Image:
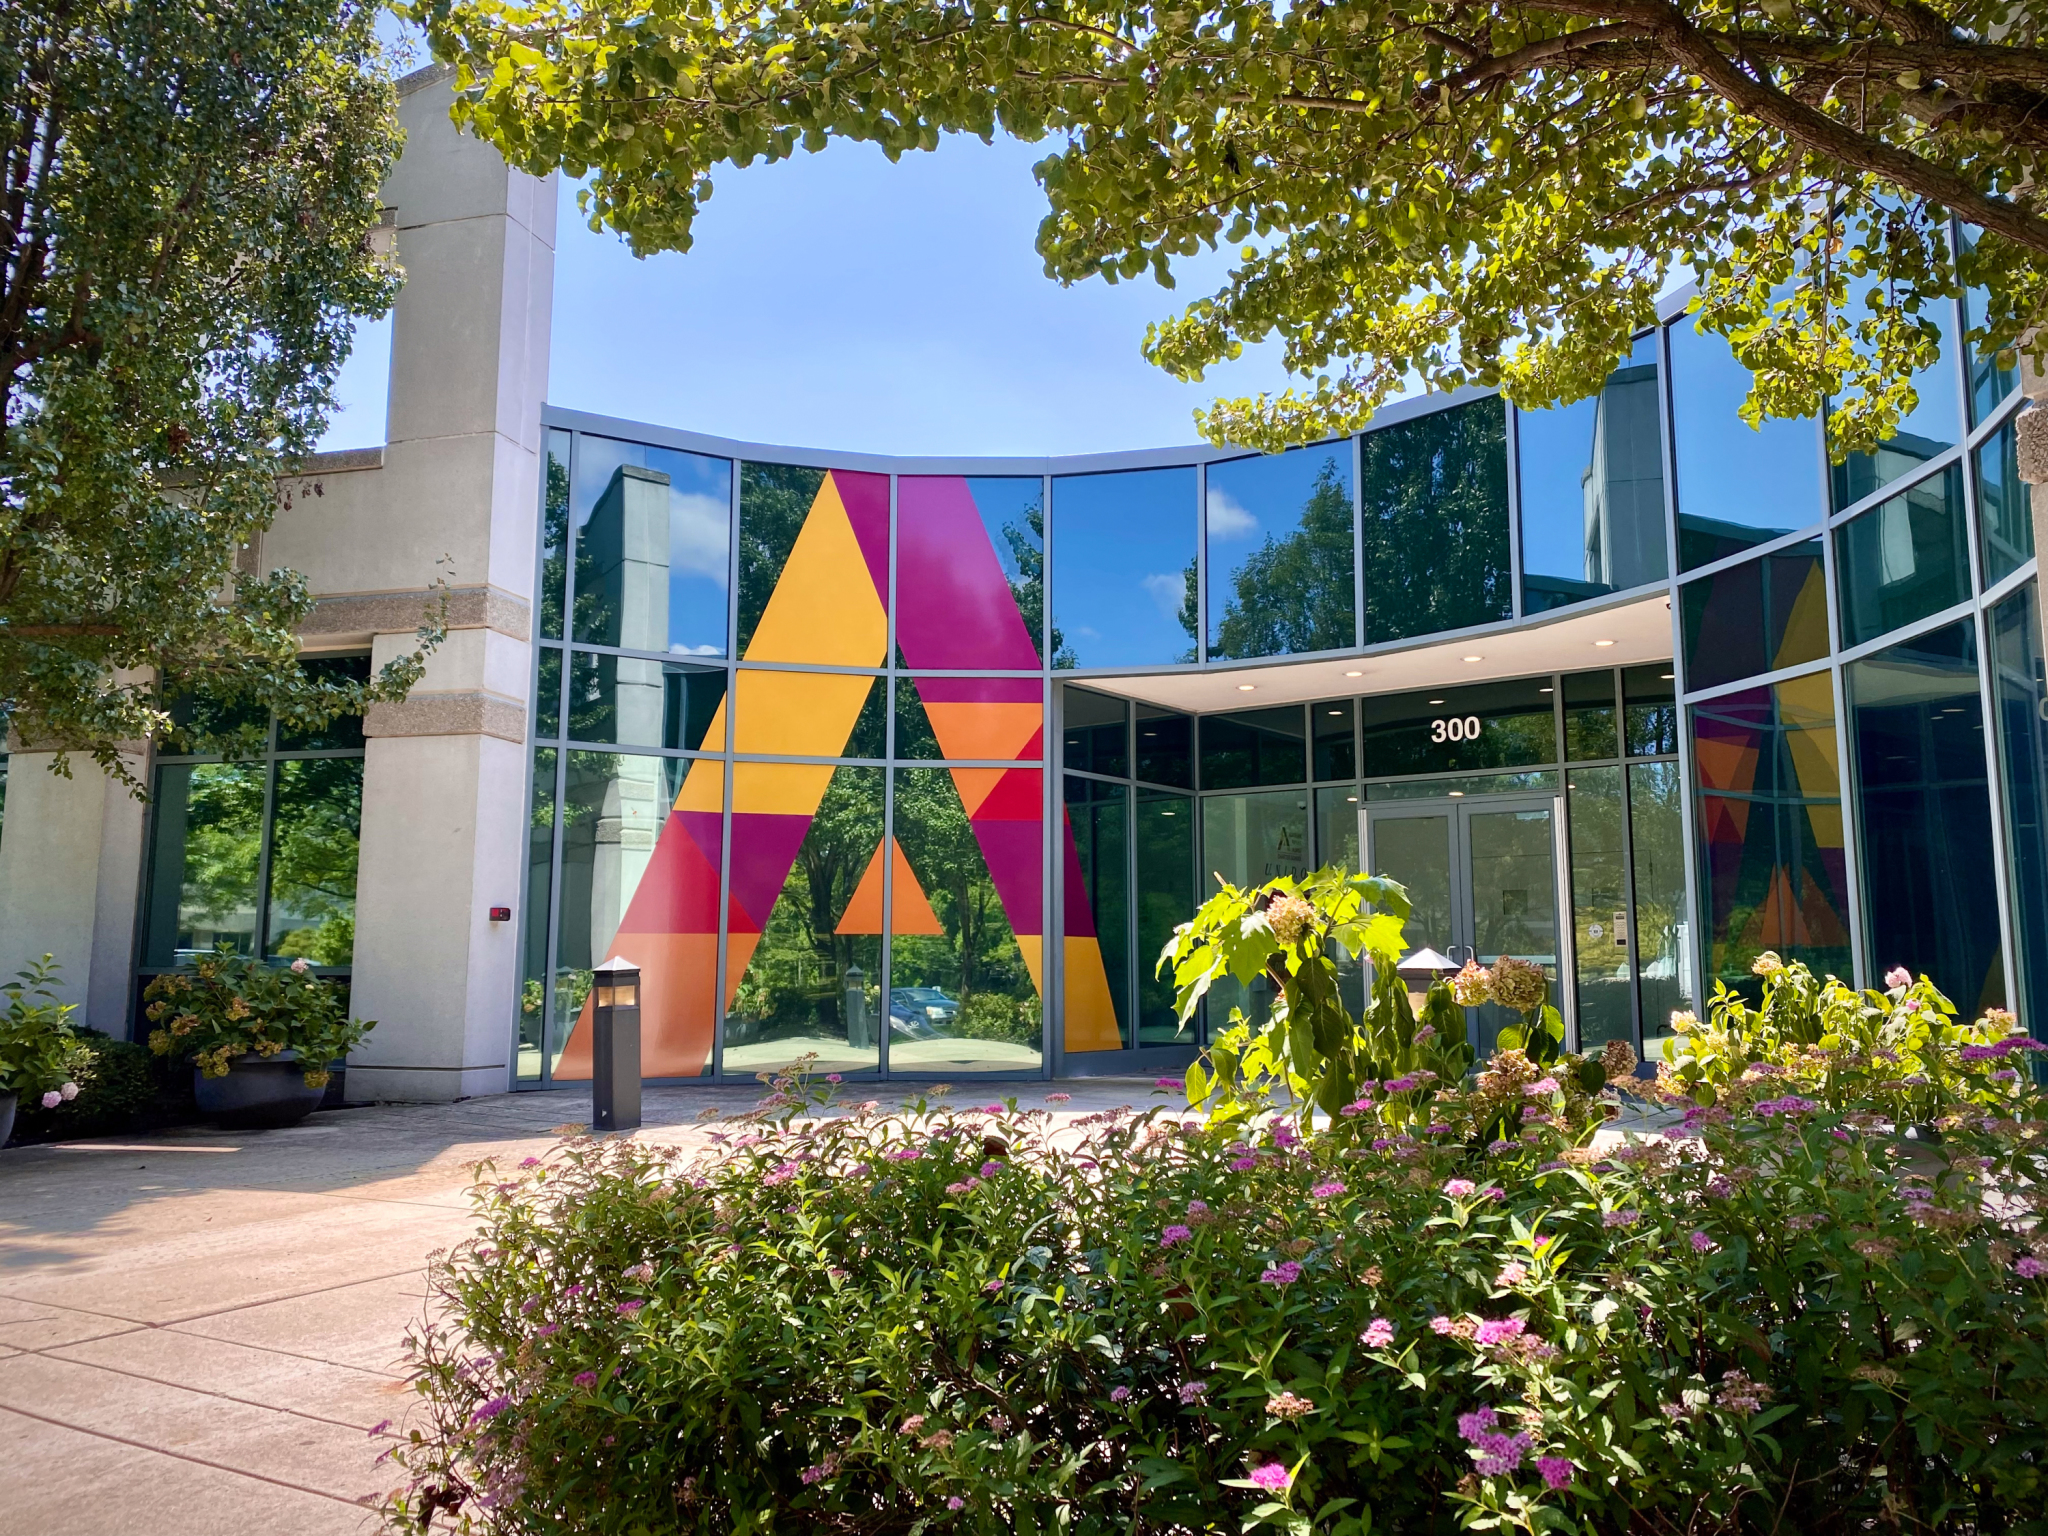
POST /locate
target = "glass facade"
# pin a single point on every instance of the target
(815, 796)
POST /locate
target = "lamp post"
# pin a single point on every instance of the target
(615, 1047)
(1419, 970)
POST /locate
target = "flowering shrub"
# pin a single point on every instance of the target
(969, 1319)
(231, 1005)
(1901, 1053)
(41, 1058)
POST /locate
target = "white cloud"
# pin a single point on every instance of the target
(1228, 519)
(677, 648)
(697, 534)
(1169, 589)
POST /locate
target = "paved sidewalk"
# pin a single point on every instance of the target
(198, 1329)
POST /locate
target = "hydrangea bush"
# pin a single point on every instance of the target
(230, 1005)
(42, 1060)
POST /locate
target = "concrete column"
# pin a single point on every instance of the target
(444, 779)
(70, 879)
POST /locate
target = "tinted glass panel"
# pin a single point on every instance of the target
(1096, 732)
(1589, 716)
(1164, 843)
(540, 859)
(1772, 863)
(554, 534)
(1662, 937)
(1989, 383)
(1336, 747)
(653, 547)
(809, 714)
(1337, 826)
(1123, 556)
(1761, 616)
(1650, 724)
(972, 552)
(1924, 807)
(547, 691)
(204, 860)
(962, 993)
(1903, 559)
(1166, 747)
(1486, 725)
(1099, 816)
(1435, 522)
(1280, 553)
(1248, 840)
(1592, 489)
(812, 978)
(316, 822)
(1933, 426)
(2005, 506)
(643, 703)
(342, 733)
(1738, 486)
(1253, 746)
(814, 567)
(969, 718)
(2020, 694)
(1600, 917)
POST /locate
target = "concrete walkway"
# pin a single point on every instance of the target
(199, 1329)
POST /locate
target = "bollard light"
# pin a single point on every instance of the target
(1419, 970)
(615, 1046)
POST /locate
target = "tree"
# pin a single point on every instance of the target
(1463, 192)
(186, 224)
(1295, 593)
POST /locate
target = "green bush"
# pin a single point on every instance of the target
(997, 1016)
(40, 1053)
(121, 1089)
(229, 1005)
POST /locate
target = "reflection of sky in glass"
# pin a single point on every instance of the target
(1267, 497)
(1123, 544)
(1007, 504)
(1554, 447)
(699, 532)
(1736, 486)
(1934, 426)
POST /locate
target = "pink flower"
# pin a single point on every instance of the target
(1500, 1330)
(1457, 1189)
(993, 1287)
(1898, 976)
(1441, 1326)
(1057, 1098)
(490, 1410)
(834, 1077)
(1328, 1190)
(1512, 1273)
(1557, 1471)
(1245, 1164)
(52, 1099)
(300, 967)
(586, 1379)
(2031, 1268)
(1476, 1423)
(963, 1187)
(1120, 1394)
(628, 1308)
(1701, 1243)
(1198, 1207)
(529, 1162)
(991, 1168)
(379, 1427)
(1271, 1476)
(1169, 1082)
(1379, 1334)
(1174, 1234)
(1624, 1218)
(1542, 1087)
(1284, 1273)
(68, 1092)
(956, 1502)
(904, 1155)
(1193, 1391)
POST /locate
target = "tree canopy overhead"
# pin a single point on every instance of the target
(187, 194)
(1464, 192)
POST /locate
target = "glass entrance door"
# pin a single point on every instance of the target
(1482, 878)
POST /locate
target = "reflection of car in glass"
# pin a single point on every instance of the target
(921, 1013)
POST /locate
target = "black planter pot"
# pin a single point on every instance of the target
(8, 1101)
(259, 1092)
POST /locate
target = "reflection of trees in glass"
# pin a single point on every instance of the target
(317, 816)
(1027, 554)
(554, 536)
(1294, 593)
(774, 501)
(222, 845)
(1435, 525)
(978, 952)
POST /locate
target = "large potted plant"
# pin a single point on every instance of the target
(40, 1058)
(260, 1037)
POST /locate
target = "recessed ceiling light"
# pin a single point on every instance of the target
(1354, 674)
(1457, 794)
(1353, 799)
(1665, 675)
(1603, 642)
(1475, 658)
(1436, 701)
(1546, 690)
(1245, 687)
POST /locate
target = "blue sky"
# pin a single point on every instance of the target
(838, 301)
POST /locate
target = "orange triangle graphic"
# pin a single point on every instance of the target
(984, 730)
(910, 912)
(975, 786)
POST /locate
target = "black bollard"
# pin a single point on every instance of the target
(615, 1047)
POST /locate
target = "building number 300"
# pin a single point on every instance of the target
(1457, 728)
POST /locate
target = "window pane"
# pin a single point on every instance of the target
(1166, 898)
(1989, 383)
(1662, 936)
(1451, 730)
(1934, 426)
(2005, 506)
(1738, 485)
(316, 824)
(637, 702)
(1903, 559)
(1096, 732)
(554, 534)
(970, 718)
(1166, 746)
(810, 980)
(540, 861)
(1248, 840)
(1253, 746)
(547, 692)
(653, 547)
(1771, 850)
(1589, 716)
(1435, 522)
(1337, 826)
(1592, 489)
(1098, 894)
(809, 714)
(965, 923)
(2020, 682)
(1647, 696)
(814, 566)
(1761, 616)
(1280, 553)
(207, 848)
(1600, 907)
(1924, 804)
(343, 732)
(1336, 743)
(1123, 557)
(973, 571)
